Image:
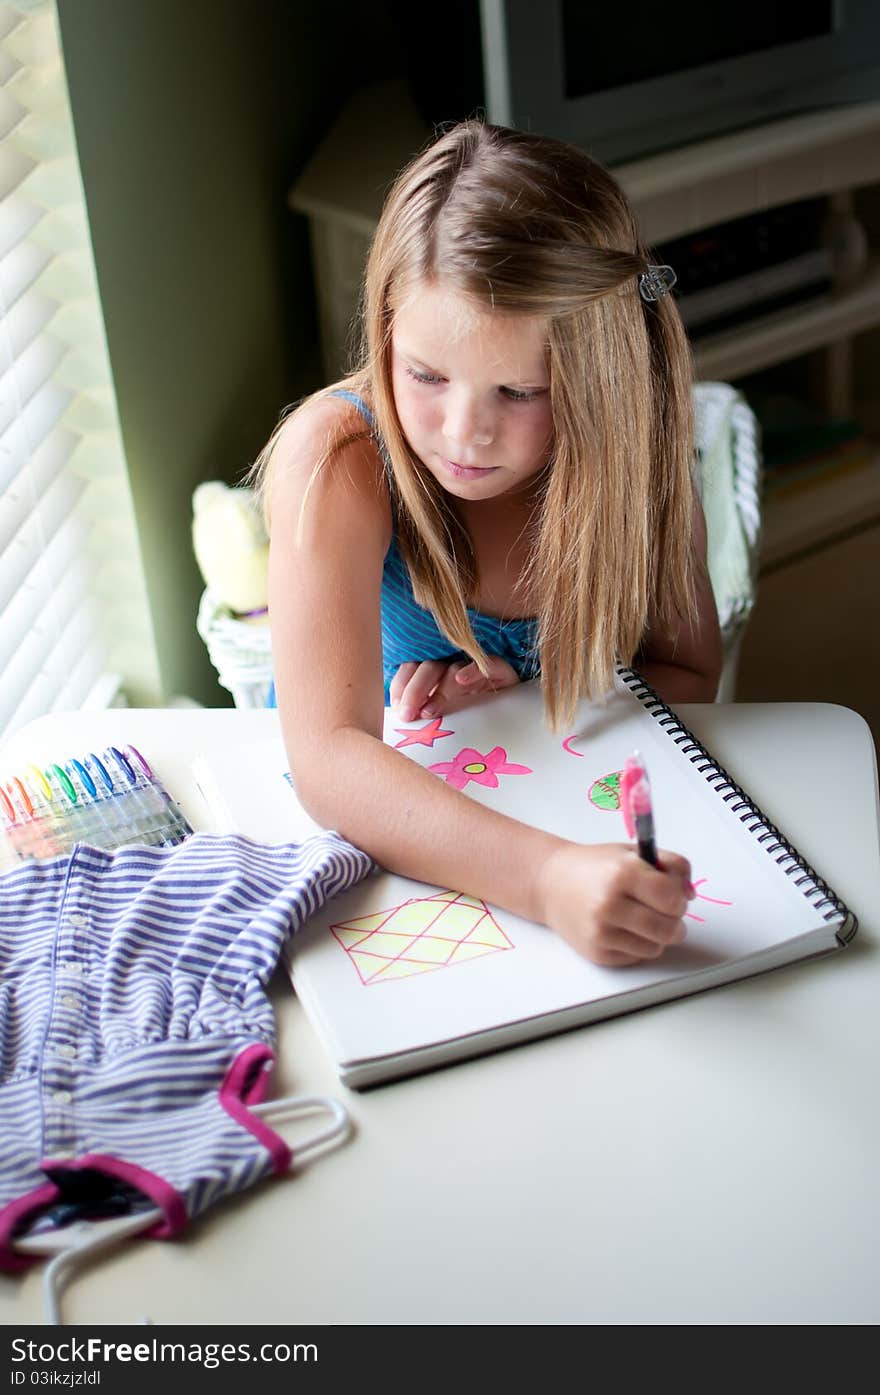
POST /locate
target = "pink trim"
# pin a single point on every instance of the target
(12, 1216)
(156, 1188)
(250, 1073)
(247, 1081)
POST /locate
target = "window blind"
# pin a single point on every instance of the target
(75, 629)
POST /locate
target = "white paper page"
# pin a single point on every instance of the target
(249, 791)
(431, 970)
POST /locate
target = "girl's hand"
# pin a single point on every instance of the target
(611, 905)
(438, 686)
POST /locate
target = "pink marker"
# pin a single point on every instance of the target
(638, 813)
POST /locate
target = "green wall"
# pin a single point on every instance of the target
(192, 120)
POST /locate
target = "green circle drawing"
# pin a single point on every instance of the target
(605, 793)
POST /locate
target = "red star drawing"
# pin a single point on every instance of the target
(422, 736)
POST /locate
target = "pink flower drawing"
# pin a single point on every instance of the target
(483, 770)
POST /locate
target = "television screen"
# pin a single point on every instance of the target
(631, 79)
(606, 47)
(628, 80)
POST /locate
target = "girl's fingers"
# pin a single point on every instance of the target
(665, 888)
(613, 959)
(638, 935)
(400, 680)
(654, 931)
(500, 675)
(419, 688)
(677, 865)
(448, 690)
(467, 676)
(436, 686)
(619, 946)
(464, 681)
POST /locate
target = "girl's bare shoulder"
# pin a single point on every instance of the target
(325, 465)
(331, 434)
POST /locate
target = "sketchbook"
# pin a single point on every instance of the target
(398, 977)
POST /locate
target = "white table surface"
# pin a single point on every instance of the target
(712, 1160)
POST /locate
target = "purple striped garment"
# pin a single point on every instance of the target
(135, 1029)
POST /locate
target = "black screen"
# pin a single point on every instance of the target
(607, 46)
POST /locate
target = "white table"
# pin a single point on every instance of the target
(713, 1160)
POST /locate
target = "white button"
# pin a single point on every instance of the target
(77, 919)
(73, 968)
(62, 1097)
(69, 1001)
(66, 1051)
(62, 1154)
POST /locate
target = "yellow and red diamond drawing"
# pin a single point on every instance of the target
(426, 933)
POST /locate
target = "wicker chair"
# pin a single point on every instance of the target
(729, 478)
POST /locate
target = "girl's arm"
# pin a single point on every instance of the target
(326, 637)
(685, 665)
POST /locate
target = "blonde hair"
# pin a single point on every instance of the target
(524, 225)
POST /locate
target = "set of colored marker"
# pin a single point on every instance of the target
(107, 800)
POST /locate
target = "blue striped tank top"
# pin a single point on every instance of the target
(410, 632)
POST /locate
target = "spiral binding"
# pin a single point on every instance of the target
(814, 887)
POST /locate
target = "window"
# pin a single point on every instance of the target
(74, 622)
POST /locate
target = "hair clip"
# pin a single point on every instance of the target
(656, 282)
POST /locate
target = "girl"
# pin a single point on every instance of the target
(502, 488)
